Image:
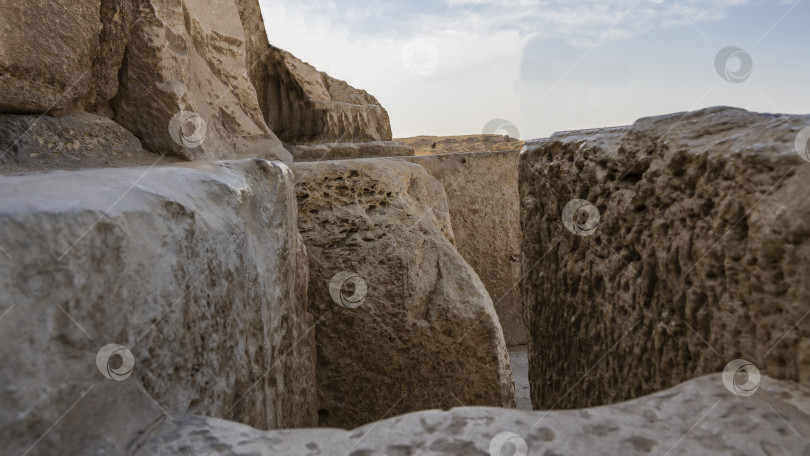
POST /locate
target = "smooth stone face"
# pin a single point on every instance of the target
(435, 145)
(345, 151)
(69, 142)
(306, 106)
(405, 324)
(197, 270)
(185, 87)
(697, 417)
(482, 194)
(700, 254)
(58, 56)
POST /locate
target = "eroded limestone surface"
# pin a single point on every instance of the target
(198, 270)
(405, 322)
(482, 194)
(188, 59)
(305, 106)
(346, 151)
(58, 56)
(700, 255)
(434, 145)
(71, 141)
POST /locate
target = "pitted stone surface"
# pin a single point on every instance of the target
(700, 256)
(424, 333)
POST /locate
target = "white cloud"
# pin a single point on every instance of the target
(362, 42)
(467, 32)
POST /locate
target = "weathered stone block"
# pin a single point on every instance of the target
(59, 56)
(197, 270)
(69, 142)
(303, 105)
(185, 87)
(694, 251)
(482, 194)
(406, 324)
(435, 145)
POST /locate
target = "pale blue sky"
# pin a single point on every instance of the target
(448, 67)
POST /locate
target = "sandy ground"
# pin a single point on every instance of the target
(518, 357)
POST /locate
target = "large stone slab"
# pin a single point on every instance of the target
(406, 324)
(185, 87)
(69, 142)
(697, 417)
(199, 274)
(60, 56)
(482, 194)
(435, 145)
(345, 151)
(303, 105)
(701, 254)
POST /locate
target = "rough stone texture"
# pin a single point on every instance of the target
(190, 56)
(432, 145)
(696, 418)
(257, 46)
(426, 335)
(702, 255)
(303, 105)
(58, 56)
(68, 142)
(344, 151)
(482, 193)
(206, 292)
(256, 41)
